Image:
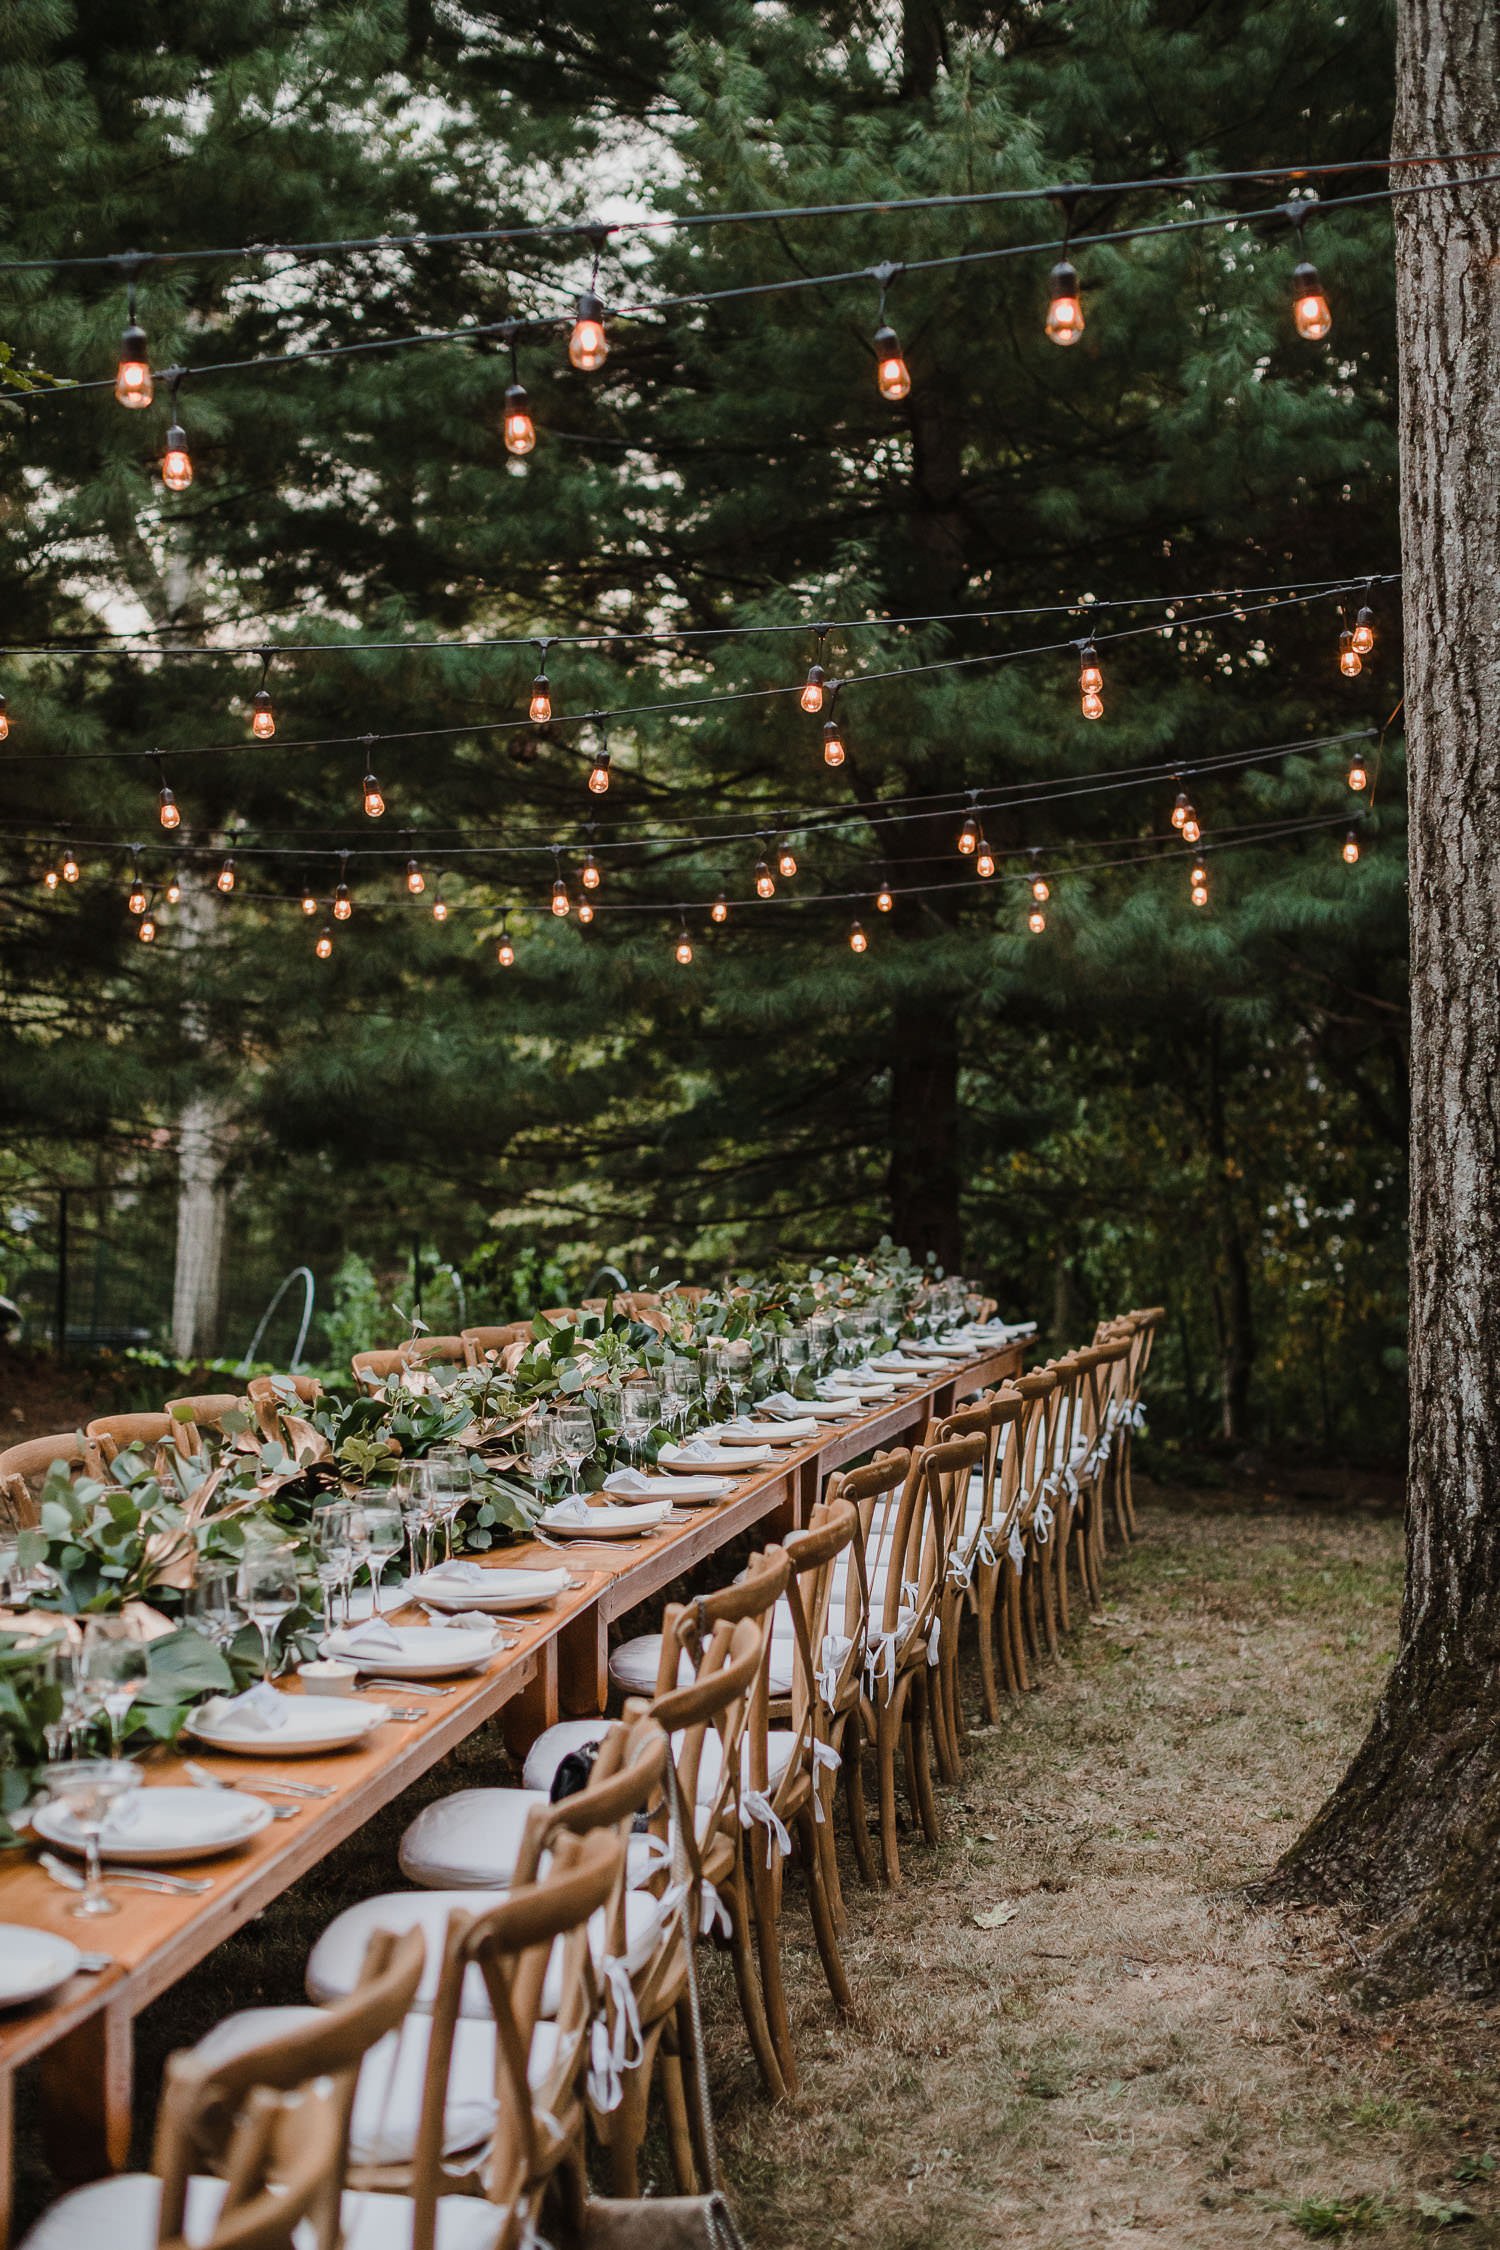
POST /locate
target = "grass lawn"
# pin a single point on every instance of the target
(1135, 2051)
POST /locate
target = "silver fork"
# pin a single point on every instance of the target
(202, 1779)
(272, 1781)
(138, 1878)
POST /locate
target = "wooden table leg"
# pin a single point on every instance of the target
(87, 2081)
(583, 1664)
(535, 1708)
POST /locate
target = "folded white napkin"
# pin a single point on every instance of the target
(373, 1638)
(468, 1620)
(569, 1511)
(629, 1481)
(783, 1405)
(697, 1450)
(459, 1573)
(259, 1709)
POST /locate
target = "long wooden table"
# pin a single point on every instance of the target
(556, 1665)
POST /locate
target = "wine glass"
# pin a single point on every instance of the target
(210, 1604)
(87, 1788)
(541, 1450)
(685, 1386)
(332, 1551)
(640, 1409)
(113, 1668)
(793, 1354)
(382, 1527)
(736, 1361)
(447, 1483)
(267, 1588)
(575, 1442)
(59, 1668)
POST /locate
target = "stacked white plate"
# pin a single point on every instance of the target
(416, 1652)
(313, 1724)
(607, 1522)
(153, 1825)
(495, 1588)
(731, 1460)
(34, 1965)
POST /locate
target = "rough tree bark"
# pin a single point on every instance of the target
(1412, 1834)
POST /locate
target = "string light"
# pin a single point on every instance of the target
(519, 429)
(4, 721)
(136, 902)
(373, 800)
(599, 771)
(505, 952)
(561, 903)
(540, 707)
(588, 874)
(1351, 849)
(173, 892)
(1362, 639)
(811, 697)
(176, 461)
(1065, 311)
(1183, 808)
(1090, 681)
(719, 911)
(984, 860)
(146, 930)
(1358, 774)
(1309, 305)
(884, 900)
(416, 881)
(1351, 663)
(343, 903)
(833, 743)
(224, 880)
(69, 866)
(858, 942)
(262, 710)
(765, 881)
(324, 946)
(968, 836)
(440, 909)
(892, 375)
(1041, 889)
(786, 860)
(683, 950)
(585, 910)
(1036, 921)
(50, 878)
(166, 808)
(1192, 827)
(1198, 881)
(133, 384)
(309, 900)
(588, 346)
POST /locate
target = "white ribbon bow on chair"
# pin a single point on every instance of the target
(755, 1805)
(613, 2051)
(1015, 1546)
(825, 1759)
(832, 1658)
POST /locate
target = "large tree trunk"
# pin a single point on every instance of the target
(1412, 1834)
(202, 1214)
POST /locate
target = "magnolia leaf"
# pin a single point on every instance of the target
(995, 1917)
(181, 1665)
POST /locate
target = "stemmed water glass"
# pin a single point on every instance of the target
(736, 1362)
(267, 1588)
(112, 1668)
(575, 1442)
(793, 1353)
(448, 1483)
(210, 1604)
(333, 1553)
(382, 1536)
(640, 1407)
(87, 1789)
(61, 1670)
(541, 1450)
(411, 1500)
(681, 1388)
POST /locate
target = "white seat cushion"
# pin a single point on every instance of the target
(469, 1840)
(633, 1665)
(121, 2214)
(335, 1962)
(549, 1750)
(383, 2222)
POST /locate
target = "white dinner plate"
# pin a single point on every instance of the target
(493, 1589)
(607, 1522)
(826, 1409)
(769, 1432)
(423, 1652)
(732, 1460)
(313, 1723)
(152, 1825)
(33, 1964)
(689, 1489)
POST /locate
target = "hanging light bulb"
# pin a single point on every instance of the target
(1358, 775)
(984, 860)
(1309, 305)
(1199, 873)
(309, 901)
(176, 461)
(146, 931)
(1183, 808)
(858, 942)
(416, 881)
(133, 384)
(719, 911)
(173, 891)
(884, 898)
(4, 720)
(833, 742)
(683, 950)
(1036, 921)
(1362, 639)
(262, 710)
(599, 773)
(968, 836)
(224, 880)
(786, 861)
(1041, 889)
(1065, 309)
(540, 707)
(561, 903)
(50, 879)
(585, 911)
(1199, 894)
(1350, 662)
(1192, 827)
(324, 946)
(1090, 682)
(374, 802)
(588, 874)
(1351, 849)
(811, 697)
(69, 866)
(137, 899)
(440, 907)
(520, 430)
(343, 903)
(588, 346)
(505, 952)
(765, 881)
(166, 808)
(892, 375)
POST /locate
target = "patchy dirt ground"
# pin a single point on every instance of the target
(1137, 2053)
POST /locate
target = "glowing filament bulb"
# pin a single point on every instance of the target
(1041, 889)
(561, 903)
(416, 881)
(343, 904)
(884, 900)
(262, 715)
(1362, 639)
(683, 951)
(374, 802)
(858, 942)
(309, 902)
(812, 694)
(173, 891)
(50, 879)
(599, 773)
(137, 899)
(176, 461)
(520, 430)
(719, 911)
(588, 345)
(147, 931)
(1309, 305)
(1192, 829)
(440, 908)
(1350, 662)
(588, 874)
(166, 809)
(324, 945)
(1199, 894)
(585, 911)
(1351, 849)
(833, 743)
(968, 836)
(133, 386)
(1182, 810)
(786, 862)
(1065, 310)
(4, 720)
(69, 866)
(765, 881)
(1090, 684)
(1199, 873)
(984, 860)
(541, 699)
(1036, 921)
(505, 954)
(892, 375)
(1358, 776)
(225, 877)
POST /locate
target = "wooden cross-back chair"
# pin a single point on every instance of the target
(190, 1417)
(981, 1579)
(434, 1351)
(869, 1490)
(479, 1343)
(113, 1434)
(273, 1396)
(28, 1462)
(372, 1369)
(1035, 1518)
